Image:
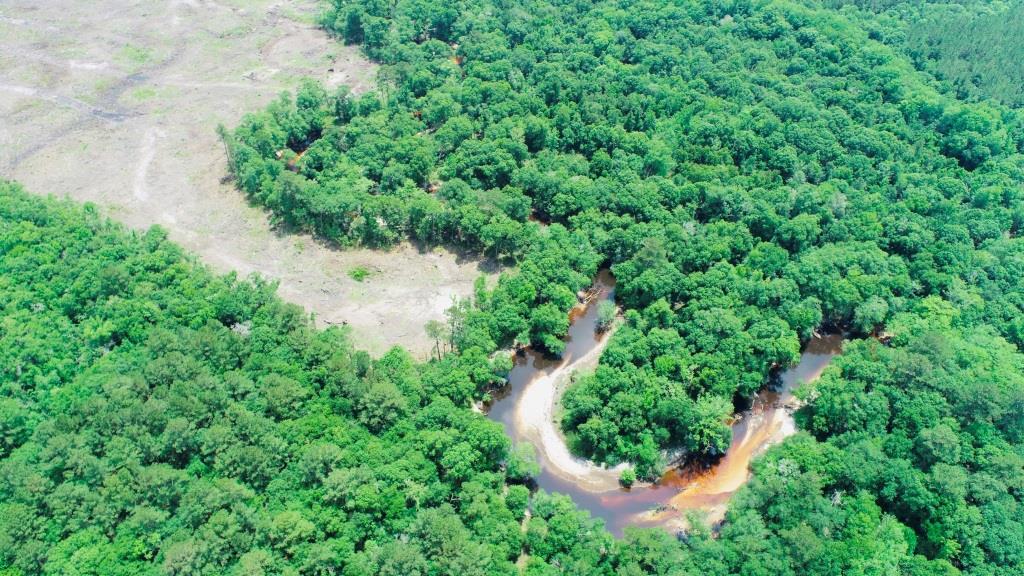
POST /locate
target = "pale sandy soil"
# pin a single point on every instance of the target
(117, 102)
(535, 421)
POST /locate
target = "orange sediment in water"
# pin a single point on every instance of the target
(698, 485)
(768, 422)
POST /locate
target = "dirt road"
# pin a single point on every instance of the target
(117, 102)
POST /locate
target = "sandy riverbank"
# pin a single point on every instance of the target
(535, 420)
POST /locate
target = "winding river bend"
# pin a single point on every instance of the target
(527, 405)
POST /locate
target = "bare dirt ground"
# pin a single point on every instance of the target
(117, 101)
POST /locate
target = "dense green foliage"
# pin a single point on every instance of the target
(976, 47)
(159, 420)
(918, 445)
(749, 170)
(934, 427)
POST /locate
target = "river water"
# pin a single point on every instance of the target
(698, 485)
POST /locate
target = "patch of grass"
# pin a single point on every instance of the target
(98, 88)
(301, 16)
(358, 273)
(143, 93)
(135, 55)
(236, 32)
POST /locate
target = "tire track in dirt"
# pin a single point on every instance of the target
(146, 158)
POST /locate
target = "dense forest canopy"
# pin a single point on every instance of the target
(750, 171)
(975, 46)
(159, 420)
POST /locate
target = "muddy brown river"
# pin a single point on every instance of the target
(695, 485)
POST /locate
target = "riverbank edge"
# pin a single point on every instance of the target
(536, 410)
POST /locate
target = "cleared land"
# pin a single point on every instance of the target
(117, 103)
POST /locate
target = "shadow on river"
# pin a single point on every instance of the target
(695, 485)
